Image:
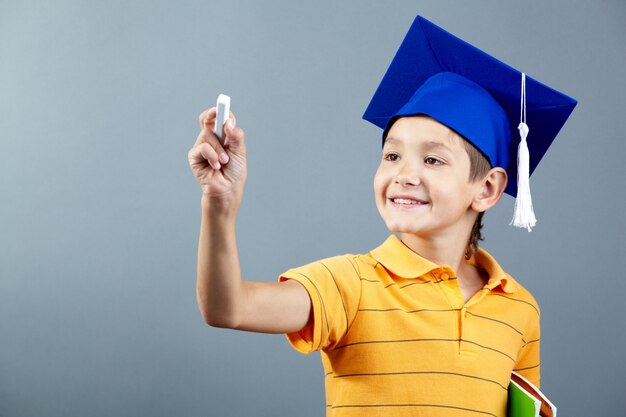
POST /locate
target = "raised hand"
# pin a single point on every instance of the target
(220, 171)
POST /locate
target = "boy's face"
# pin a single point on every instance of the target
(422, 185)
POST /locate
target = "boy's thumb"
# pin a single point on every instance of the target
(234, 135)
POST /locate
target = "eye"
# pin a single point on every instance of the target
(432, 161)
(391, 156)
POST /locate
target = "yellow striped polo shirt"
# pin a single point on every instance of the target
(397, 339)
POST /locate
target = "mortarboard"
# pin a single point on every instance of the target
(481, 98)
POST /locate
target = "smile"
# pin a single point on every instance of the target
(406, 202)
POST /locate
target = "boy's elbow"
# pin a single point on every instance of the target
(217, 322)
(222, 322)
(218, 319)
(223, 313)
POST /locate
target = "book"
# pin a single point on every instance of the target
(525, 400)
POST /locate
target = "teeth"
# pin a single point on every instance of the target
(404, 201)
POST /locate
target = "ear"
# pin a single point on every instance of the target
(490, 189)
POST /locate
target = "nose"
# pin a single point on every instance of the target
(407, 176)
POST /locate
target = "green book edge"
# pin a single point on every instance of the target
(521, 403)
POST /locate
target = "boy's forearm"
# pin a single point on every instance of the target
(219, 283)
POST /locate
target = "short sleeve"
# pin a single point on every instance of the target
(528, 362)
(334, 286)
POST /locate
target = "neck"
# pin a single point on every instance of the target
(442, 250)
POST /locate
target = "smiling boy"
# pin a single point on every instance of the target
(428, 323)
(429, 191)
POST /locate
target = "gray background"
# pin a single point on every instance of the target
(99, 212)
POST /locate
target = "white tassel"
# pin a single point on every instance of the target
(523, 214)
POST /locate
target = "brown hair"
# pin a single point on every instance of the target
(479, 166)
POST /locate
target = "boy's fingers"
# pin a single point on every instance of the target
(204, 151)
(234, 135)
(207, 117)
(209, 138)
(203, 137)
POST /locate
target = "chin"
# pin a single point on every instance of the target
(402, 228)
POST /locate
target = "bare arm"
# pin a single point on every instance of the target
(224, 298)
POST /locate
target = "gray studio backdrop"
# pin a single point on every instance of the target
(99, 212)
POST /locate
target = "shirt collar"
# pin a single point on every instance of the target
(398, 258)
(497, 276)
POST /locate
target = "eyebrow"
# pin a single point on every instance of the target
(391, 140)
(431, 144)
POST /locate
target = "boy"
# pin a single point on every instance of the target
(426, 324)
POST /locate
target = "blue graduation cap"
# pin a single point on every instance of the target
(481, 98)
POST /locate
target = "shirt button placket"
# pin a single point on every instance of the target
(467, 333)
